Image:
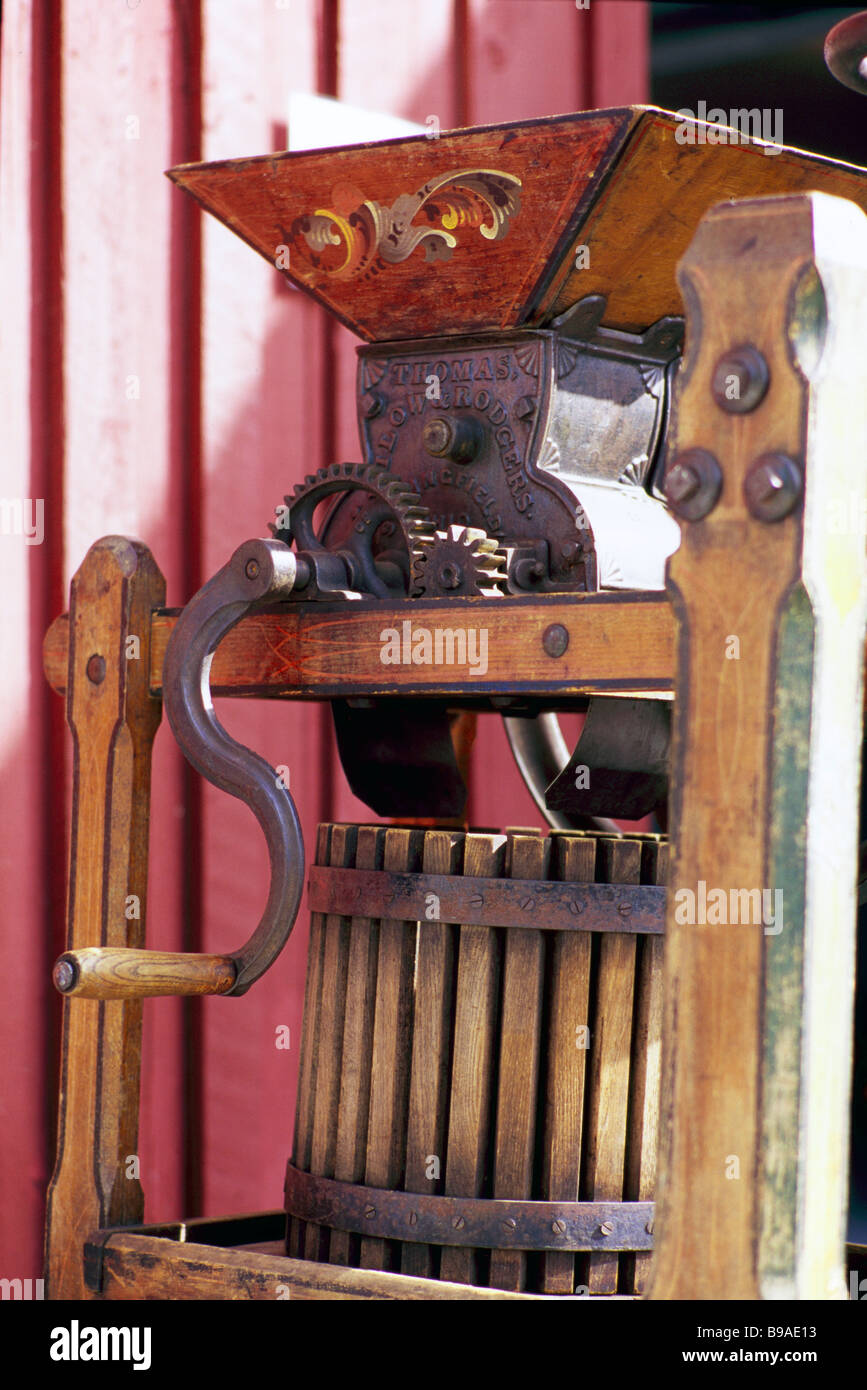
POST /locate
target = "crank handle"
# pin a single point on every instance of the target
(260, 571)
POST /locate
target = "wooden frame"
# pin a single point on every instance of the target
(769, 612)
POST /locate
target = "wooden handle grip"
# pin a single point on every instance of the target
(115, 973)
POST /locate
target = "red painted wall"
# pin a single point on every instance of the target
(159, 381)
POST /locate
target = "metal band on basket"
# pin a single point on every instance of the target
(487, 1222)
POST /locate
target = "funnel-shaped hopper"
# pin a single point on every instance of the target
(499, 226)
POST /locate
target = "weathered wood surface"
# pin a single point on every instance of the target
(757, 1019)
(621, 642)
(113, 720)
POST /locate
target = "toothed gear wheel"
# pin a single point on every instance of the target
(364, 529)
(462, 560)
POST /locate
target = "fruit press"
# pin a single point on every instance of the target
(613, 433)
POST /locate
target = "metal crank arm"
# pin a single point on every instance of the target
(260, 571)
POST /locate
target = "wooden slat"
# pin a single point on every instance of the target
(472, 1081)
(574, 860)
(309, 1037)
(113, 720)
(644, 1075)
(618, 861)
(355, 1080)
(517, 1085)
(431, 1039)
(139, 1267)
(617, 641)
(329, 1041)
(392, 1043)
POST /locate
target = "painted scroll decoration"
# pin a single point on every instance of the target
(356, 235)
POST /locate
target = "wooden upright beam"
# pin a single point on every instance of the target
(770, 596)
(113, 719)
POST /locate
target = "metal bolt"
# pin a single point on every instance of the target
(510, 1224)
(772, 488)
(96, 669)
(251, 569)
(682, 483)
(558, 1227)
(369, 1212)
(693, 484)
(624, 908)
(740, 380)
(371, 404)
(437, 436)
(606, 1228)
(458, 1222)
(450, 575)
(576, 905)
(63, 976)
(555, 639)
(525, 408)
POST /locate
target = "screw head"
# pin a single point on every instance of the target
(606, 1228)
(369, 1211)
(458, 1223)
(96, 669)
(693, 484)
(558, 1227)
(740, 380)
(772, 488)
(63, 976)
(555, 639)
(251, 569)
(510, 1224)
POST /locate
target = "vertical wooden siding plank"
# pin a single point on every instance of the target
(117, 255)
(262, 418)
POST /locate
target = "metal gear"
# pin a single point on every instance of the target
(365, 535)
(462, 560)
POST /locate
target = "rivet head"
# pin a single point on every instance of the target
(63, 976)
(606, 1228)
(96, 669)
(558, 1227)
(693, 484)
(740, 380)
(555, 639)
(251, 569)
(772, 488)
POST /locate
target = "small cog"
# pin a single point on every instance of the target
(460, 561)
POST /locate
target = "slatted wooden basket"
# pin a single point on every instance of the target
(478, 1101)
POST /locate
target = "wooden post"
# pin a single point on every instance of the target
(113, 718)
(770, 597)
